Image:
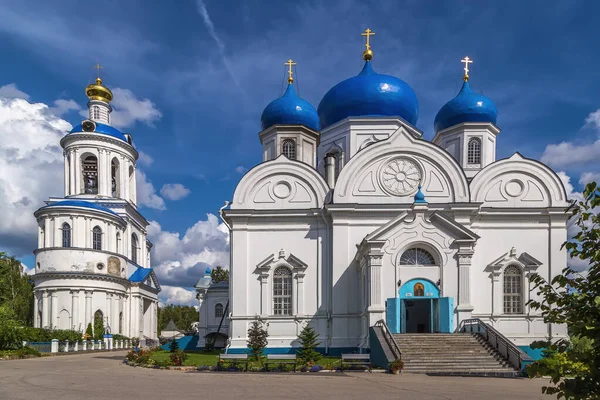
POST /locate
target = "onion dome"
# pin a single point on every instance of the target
(466, 107)
(369, 94)
(207, 272)
(290, 109)
(420, 197)
(97, 91)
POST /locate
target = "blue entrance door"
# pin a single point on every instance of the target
(446, 314)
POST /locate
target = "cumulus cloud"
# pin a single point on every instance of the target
(128, 109)
(11, 91)
(567, 154)
(144, 159)
(241, 169)
(174, 191)
(177, 295)
(146, 193)
(588, 177)
(62, 106)
(181, 261)
(31, 161)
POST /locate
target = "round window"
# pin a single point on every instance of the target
(100, 266)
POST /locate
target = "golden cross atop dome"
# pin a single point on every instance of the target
(368, 53)
(467, 61)
(290, 63)
(98, 67)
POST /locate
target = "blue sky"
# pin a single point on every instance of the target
(199, 73)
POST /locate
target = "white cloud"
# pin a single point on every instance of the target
(593, 119)
(181, 261)
(128, 109)
(61, 107)
(174, 191)
(31, 161)
(241, 169)
(177, 295)
(11, 91)
(567, 154)
(146, 193)
(588, 177)
(144, 159)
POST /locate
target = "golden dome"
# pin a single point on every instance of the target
(98, 92)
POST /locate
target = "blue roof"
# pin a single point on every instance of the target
(140, 274)
(207, 272)
(466, 107)
(104, 129)
(81, 203)
(290, 109)
(369, 94)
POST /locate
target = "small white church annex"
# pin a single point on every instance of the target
(352, 218)
(93, 257)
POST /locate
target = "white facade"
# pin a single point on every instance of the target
(93, 254)
(334, 246)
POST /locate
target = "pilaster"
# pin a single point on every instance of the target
(45, 309)
(374, 261)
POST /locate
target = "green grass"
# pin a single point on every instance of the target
(199, 358)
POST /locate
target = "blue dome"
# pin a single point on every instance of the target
(369, 94)
(290, 109)
(104, 129)
(466, 107)
(81, 203)
(207, 272)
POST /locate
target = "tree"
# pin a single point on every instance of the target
(16, 290)
(174, 346)
(574, 299)
(89, 333)
(183, 316)
(257, 339)
(308, 343)
(9, 329)
(219, 274)
(98, 325)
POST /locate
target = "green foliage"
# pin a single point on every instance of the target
(177, 357)
(219, 274)
(308, 338)
(10, 329)
(397, 365)
(174, 346)
(16, 290)
(574, 299)
(89, 333)
(23, 352)
(183, 316)
(257, 339)
(116, 336)
(98, 325)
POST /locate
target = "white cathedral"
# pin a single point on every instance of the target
(93, 257)
(353, 218)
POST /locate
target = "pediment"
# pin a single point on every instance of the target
(271, 262)
(525, 261)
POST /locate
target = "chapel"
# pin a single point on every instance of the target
(353, 218)
(93, 257)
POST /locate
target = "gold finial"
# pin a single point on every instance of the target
(290, 63)
(368, 53)
(467, 61)
(98, 67)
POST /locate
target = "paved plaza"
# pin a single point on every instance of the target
(102, 376)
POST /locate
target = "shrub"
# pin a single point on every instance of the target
(174, 346)
(28, 351)
(257, 339)
(89, 333)
(177, 357)
(308, 344)
(396, 365)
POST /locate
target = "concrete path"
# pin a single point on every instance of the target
(102, 376)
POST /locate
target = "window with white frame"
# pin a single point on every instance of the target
(96, 112)
(417, 257)
(474, 151)
(97, 238)
(282, 291)
(218, 310)
(288, 148)
(513, 290)
(66, 235)
(134, 248)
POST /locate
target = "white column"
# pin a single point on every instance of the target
(115, 313)
(36, 322)
(54, 232)
(496, 294)
(134, 187)
(135, 316)
(264, 295)
(108, 310)
(45, 309)
(75, 309)
(300, 294)
(72, 172)
(54, 301)
(77, 172)
(88, 309)
(47, 232)
(376, 309)
(67, 172)
(88, 233)
(125, 163)
(100, 171)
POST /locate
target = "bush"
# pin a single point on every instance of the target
(308, 344)
(177, 357)
(28, 351)
(10, 330)
(257, 339)
(89, 333)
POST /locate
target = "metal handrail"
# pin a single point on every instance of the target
(389, 339)
(490, 330)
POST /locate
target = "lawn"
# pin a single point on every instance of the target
(200, 358)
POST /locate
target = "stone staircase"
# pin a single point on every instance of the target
(458, 354)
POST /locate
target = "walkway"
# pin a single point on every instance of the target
(101, 376)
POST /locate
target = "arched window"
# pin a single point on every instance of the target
(218, 310)
(513, 291)
(416, 257)
(282, 291)
(131, 184)
(120, 323)
(99, 328)
(118, 242)
(115, 178)
(97, 238)
(134, 248)
(474, 151)
(419, 290)
(90, 175)
(66, 235)
(288, 148)
(95, 112)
